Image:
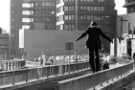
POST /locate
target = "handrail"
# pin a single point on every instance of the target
(10, 65)
(32, 74)
(97, 80)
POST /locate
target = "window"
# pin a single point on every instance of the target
(25, 26)
(66, 17)
(66, 8)
(60, 18)
(101, 8)
(88, 18)
(73, 17)
(66, 27)
(27, 12)
(81, 17)
(70, 17)
(27, 5)
(27, 20)
(71, 8)
(48, 3)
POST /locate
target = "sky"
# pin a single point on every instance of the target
(5, 12)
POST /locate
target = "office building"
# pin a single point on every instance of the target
(4, 46)
(31, 15)
(130, 5)
(77, 14)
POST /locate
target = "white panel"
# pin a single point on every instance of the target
(27, 12)
(27, 5)
(27, 20)
(21, 38)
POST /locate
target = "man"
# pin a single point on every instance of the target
(134, 57)
(93, 43)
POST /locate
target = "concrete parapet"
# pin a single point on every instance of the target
(103, 80)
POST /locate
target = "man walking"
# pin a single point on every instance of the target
(93, 43)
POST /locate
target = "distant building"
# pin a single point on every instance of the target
(61, 15)
(76, 15)
(130, 4)
(126, 30)
(4, 46)
(128, 20)
(31, 14)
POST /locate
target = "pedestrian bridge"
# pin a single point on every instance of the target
(74, 76)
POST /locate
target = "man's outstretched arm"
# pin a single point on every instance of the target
(82, 35)
(106, 37)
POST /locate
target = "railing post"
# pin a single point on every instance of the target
(13, 79)
(26, 76)
(60, 70)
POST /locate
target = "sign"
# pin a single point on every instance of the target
(69, 46)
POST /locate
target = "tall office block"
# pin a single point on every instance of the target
(77, 14)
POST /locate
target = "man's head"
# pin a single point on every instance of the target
(93, 24)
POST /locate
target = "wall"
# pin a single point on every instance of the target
(52, 42)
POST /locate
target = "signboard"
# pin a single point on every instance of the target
(69, 46)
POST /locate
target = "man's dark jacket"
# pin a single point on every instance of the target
(94, 34)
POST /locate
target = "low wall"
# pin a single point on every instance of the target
(42, 77)
(11, 65)
(98, 81)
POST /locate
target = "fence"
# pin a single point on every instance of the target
(33, 74)
(10, 65)
(98, 80)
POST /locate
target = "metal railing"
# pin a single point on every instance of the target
(10, 65)
(34, 74)
(98, 80)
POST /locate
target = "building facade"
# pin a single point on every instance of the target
(77, 14)
(126, 30)
(31, 14)
(4, 46)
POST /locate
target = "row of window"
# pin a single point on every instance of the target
(69, 0)
(84, 0)
(131, 9)
(86, 17)
(89, 8)
(4, 38)
(69, 27)
(92, 8)
(46, 26)
(130, 1)
(69, 17)
(45, 3)
(27, 12)
(83, 17)
(27, 5)
(27, 20)
(69, 8)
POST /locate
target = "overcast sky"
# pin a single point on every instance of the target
(5, 12)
